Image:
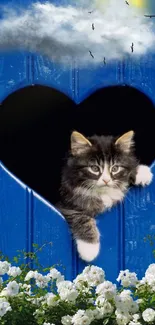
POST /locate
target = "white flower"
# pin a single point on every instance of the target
(134, 307)
(127, 279)
(67, 291)
(90, 314)
(148, 315)
(98, 313)
(14, 271)
(105, 309)
(26, 288)
(150, 276)
(81, 282)
(2, 299)
(36, 301)
(1, 280)
(100, 300)
(80, 318)
(50, 298)
(56, 275)
(66, 320)
(94, 275)
(125, 303)
(12, 288)
(107, 289)
(4, 307)
(143, 281)
(4, 267)
(48, 324)
(150, 269)
(139, 301)
(122, 318)
(135, 323)
(41, 281)
(4, 293)
(30, 275)
(38, 312)
(136, 317)
(123, 299)
(90, 301)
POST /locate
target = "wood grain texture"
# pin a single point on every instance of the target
(14, 214)
(139, 219)
(111, 255)
(15, 72)
(48, 73)
(50, 226)
(92, 78)
(140, 74)
(26, 219)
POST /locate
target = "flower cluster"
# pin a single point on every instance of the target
(48, 299)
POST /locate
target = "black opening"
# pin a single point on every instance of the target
(36, 122)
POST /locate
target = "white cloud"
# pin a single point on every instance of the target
(64, 32)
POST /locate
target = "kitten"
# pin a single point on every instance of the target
(97, 175)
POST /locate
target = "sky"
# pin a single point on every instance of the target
(87, 31)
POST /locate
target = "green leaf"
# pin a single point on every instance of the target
(35, 245)
(106, 321)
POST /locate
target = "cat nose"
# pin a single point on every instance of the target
(106, 181)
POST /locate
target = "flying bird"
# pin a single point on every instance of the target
(91, 54)
(149, 16)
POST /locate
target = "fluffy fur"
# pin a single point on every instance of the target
(97, 175)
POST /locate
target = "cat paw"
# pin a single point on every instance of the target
(87, 251)
(144, 175)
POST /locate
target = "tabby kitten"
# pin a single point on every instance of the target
(97, 175)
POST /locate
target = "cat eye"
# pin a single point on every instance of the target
(94, 169)
(115, 169)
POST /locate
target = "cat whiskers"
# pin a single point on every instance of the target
(88, 187)
(85, 189)
(118, 184)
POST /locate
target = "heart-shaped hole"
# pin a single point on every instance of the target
(36, 122)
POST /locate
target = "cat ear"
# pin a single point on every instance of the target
(79, 144)
(126, 141)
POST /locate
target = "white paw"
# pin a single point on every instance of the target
(144, 175)
(87, 251)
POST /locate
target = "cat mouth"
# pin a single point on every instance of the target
(105, 186)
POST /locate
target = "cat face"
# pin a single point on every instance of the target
(101, 162)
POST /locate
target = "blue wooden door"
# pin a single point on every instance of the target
(26, 218)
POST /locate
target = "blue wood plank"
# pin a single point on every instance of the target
(111, 255)
(79, 83)
(139, 221)
(140, 74)
(25, 219)
(14, 214)
(50, 226)
(90, 79)
(54, 75)
(15, 72)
